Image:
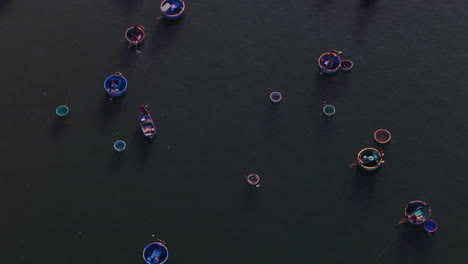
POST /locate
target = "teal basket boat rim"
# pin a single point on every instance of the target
(329, 107)
(60, 107)
(124, 145)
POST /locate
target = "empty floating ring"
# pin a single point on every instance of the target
(276, 97)
(253, 179)
(120, 145)
(382, 136)
(329, 110)
(62, 110)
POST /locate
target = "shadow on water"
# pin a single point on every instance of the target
(165, 34)
(129, 55)
(330, 86)
(116, 161)
(250, 196)
(131, 6)
(143, 146)
(58, 127)
(326, 124)
(367, 3)
(363, 187)
(324, 4)
(110, 109)
(365, 13)
(414, 245)
(4, 5)
(272, 113)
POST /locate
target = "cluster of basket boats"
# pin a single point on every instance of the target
(369, 159)
(116, 85)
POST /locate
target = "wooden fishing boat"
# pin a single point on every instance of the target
(115, 85)
(146, 122)
(135, 35)
(172, 9)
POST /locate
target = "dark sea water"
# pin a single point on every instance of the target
(67, 197)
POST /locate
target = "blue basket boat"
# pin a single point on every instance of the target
(146, 122)
(115, 85)
(370, 159)
(120, 145)
(156, 253)
(430, 226)
(417, 212)
(172, 9)
(329, 62)
(135, 35)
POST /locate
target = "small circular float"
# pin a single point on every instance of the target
(329, 62)
(382, 136)
(120, 145)
(172, 9)
(253, 179)
(430, 226)
(370, 159)
(346, 65)
(135, 35)
(417, 212)
(276, 97)
(115, 85)
(156, 253)
(62, 110)
(329, 110)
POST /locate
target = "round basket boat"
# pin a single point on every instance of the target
(346, 65)
(370, 159)
(430, 226)
(382, 136)
(120, 145)
(62, 110)
(135, 35)
(253, 179)
(417, 212)
(172, 9)
(116, 84)
(329, 62)
(155, 253)
(276, 97)
(329, 110)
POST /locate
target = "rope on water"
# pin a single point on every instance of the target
(384, 250)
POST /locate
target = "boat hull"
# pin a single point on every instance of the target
(135, 30)
(331, 57)
(370, 164)
(155, 253)
(171, 15)
(346, 65)
(146, 123)
(413, 216)
(115, 85)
